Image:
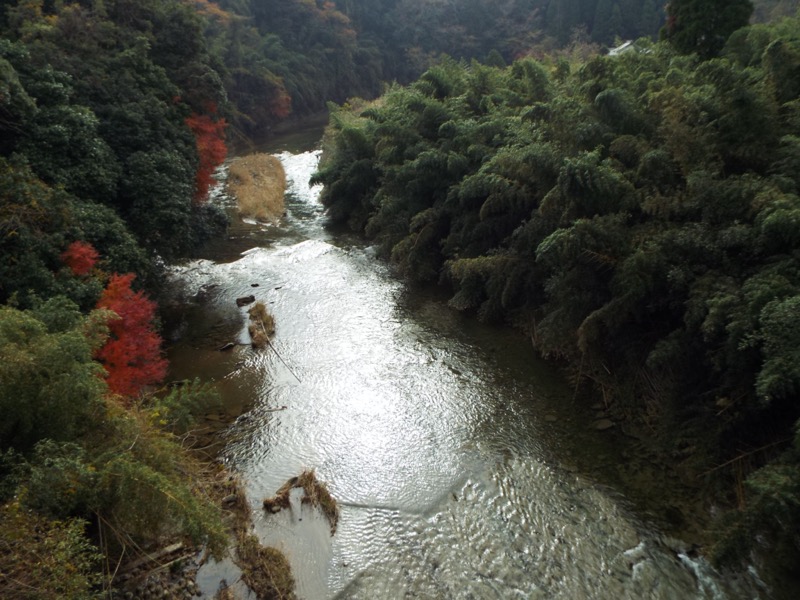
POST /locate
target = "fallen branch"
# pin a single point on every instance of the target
(275, 350)
(744, 455)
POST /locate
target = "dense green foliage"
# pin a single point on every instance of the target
(70, 453)
(101, 156)
(640, 216)
(97, 99)
(766, 11)
(95, 144)
(276, 56)
(42, 558)
(37, 222)
(703, 26)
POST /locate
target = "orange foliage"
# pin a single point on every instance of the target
(211, 9)
(209, 134)
(281, 103)
(80, 257)
(132, 354)
(340, 21)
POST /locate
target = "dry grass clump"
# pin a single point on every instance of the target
(262, 325)
(280, 500)
(258, 182)
(265, 570)
(316, 494)
(224, 594)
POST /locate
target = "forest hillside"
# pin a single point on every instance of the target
(638, 214)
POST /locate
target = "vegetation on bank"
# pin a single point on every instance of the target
(109, 134)
(84, 471)
(640, 212)
(639, 215)
(109, 128)
(300, 54)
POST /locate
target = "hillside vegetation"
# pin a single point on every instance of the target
(638, 215)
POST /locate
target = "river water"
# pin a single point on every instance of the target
(443, 441)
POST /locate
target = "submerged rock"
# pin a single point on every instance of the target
(245, 300)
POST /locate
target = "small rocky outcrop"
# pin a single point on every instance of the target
(245, 300)
(166, 574)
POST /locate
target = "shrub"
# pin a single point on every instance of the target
(43, 558)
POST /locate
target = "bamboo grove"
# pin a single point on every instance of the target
(637, 214)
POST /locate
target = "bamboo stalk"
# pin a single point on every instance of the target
(743, 455)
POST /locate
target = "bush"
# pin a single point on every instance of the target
(45, 559)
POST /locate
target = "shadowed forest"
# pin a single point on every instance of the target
(637, 213)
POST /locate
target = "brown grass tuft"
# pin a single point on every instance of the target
(316, 494)
(265, 570)
(262, 325)
(258, 182)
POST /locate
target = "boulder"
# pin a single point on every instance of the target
(245, 300)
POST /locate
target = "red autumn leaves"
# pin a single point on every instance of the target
(209, 135)
(80, 257)
(131, 355)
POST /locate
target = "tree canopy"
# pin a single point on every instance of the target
(637, 214)
(703, 26)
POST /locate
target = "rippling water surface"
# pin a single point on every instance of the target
(428, 428)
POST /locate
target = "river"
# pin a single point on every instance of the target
(449, 446)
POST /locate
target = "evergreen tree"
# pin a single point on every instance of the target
(651, 18)
(602, 30)
(703, 26)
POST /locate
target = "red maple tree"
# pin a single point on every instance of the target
(132, 355)
(209, 135)
(80, 257)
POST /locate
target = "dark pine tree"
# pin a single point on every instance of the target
(703, 26)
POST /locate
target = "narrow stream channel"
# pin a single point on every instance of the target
(434, 433)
